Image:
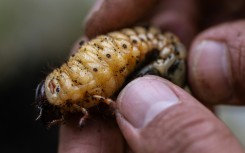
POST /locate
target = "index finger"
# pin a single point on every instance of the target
(107, 15)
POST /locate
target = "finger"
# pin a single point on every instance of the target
(96, 136)
(216, 64)
(177, 16)
(218, 11)
(109, 15)
(156, 116)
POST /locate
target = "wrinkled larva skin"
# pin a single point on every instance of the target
(101, 66)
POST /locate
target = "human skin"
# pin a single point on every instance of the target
(154, 115)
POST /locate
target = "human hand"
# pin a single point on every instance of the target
(163, 117)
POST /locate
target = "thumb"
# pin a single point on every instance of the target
(216, 64)
(156, 116)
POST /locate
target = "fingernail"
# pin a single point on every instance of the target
(143, 99)
(210, 70)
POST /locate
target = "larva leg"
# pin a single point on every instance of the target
(56, 122)
(85, 114)
(105, 100)
(84, 117)
(40, 113)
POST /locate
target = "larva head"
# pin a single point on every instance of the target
(52, 90)
(47, 112)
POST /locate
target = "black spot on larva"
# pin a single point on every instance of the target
(81, 42)
(95, 69)
(122, 69)
(57, 89)
(134, 41)
(72, 55)
(108, 55)
(124, 46)
(79, 61)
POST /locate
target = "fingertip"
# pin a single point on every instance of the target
(215, 67)
(112, 15)
(209, 71)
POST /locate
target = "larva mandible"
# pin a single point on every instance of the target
(101, 66)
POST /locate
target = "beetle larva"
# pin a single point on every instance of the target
(101, 66)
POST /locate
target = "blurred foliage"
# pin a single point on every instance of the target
(35, 37)
(34, 32)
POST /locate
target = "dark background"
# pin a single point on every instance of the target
(35, 37)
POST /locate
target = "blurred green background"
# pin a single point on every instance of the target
(34, 32)
(35, 37)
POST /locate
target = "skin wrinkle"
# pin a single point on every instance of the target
(198, 123)
(77, 142)
(96, 136)
(77, 145)
(170, 140)
(238, 49)
(185, 110)
(100, 131)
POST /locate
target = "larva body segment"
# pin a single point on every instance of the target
(101, 66)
